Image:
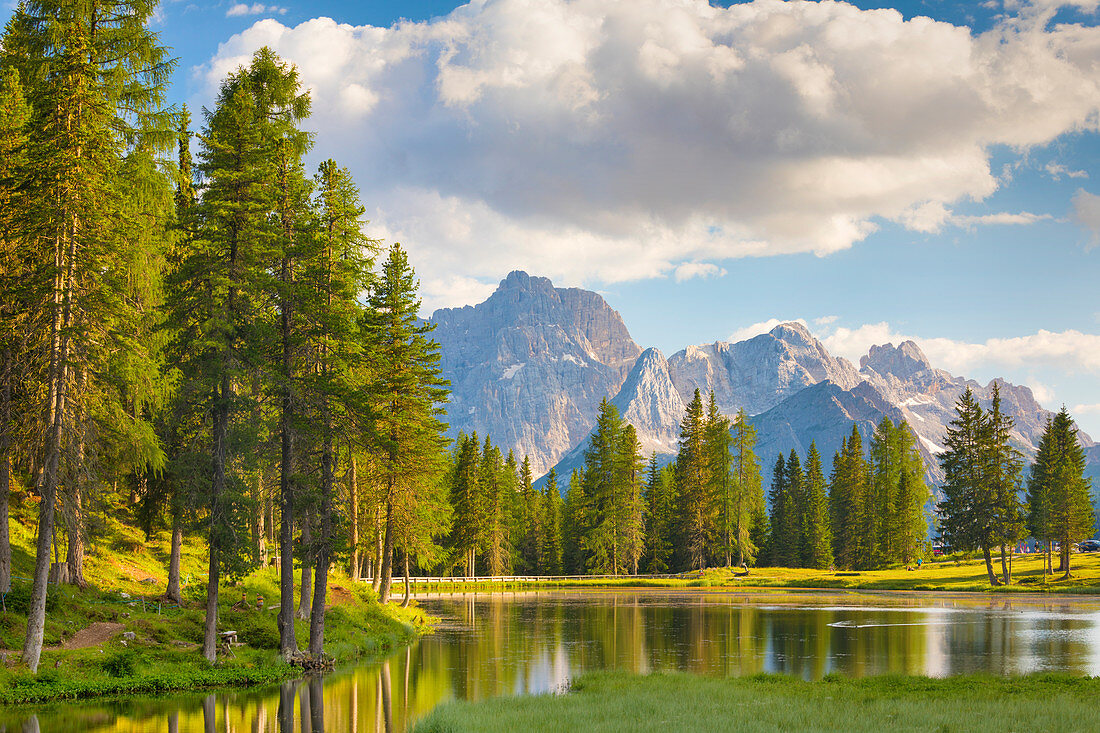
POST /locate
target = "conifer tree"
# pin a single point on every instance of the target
(550, 551)
(968, 509)
(748, 490)
(96, 84)
(818, 540)
(660, 498)
(575, 527)
(406, 391)
(14, 116)
(721, 484)
(780, 516)
(1004, 465)
(631, 509)
(695, 511)
(1064, 512)
(796, 514)
(466, 501)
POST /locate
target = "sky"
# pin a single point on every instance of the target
(880, 171)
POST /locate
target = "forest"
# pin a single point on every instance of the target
(216, 339)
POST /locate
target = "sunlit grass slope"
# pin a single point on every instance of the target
(126, 576)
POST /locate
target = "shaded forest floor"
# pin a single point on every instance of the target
(87, 652)
(604, 702)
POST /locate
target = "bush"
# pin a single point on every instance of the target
(121, 664)
(18, 599)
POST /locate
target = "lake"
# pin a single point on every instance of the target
(516, 643)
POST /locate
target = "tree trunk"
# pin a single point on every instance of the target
(989, 565)
(304, 600)
(1004, 567)
(353, 490)
(376, 574)
(5, 469)
(387, 550)
(217, 491)
(408, 586)
(320, 588)
(1065, 559)
(259, 535)
(173, 591)
(74, 520)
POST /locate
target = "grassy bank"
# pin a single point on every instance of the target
(87, 653)
(962, 573)
(605, 702)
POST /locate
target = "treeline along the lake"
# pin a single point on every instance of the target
(707, 507)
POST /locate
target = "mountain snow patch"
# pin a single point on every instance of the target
(511, 371)
(932, 447)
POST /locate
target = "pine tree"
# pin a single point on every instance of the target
(818, 540)
(796, 510)
(848, 488)
(721, 489)
(780, 540)
(1039, 482)
(549, 560)
(660, 500)
(576, 518)
(406, 391)
(1004, 465)
(1066, 511)
(631, 503)
(748, 490)
(692, 488)
(968, 509)
(466, 500)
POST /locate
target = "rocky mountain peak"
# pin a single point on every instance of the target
(529, 366)
(903, 361)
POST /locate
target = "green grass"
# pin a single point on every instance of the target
(959, 573)
(165, 654)
(611, 701)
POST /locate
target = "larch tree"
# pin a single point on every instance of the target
(96, 90)
(14, 116)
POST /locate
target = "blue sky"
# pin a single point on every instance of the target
(709, 170)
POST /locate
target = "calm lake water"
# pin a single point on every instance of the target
(505, 644)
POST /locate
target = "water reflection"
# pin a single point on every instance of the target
(533, 643)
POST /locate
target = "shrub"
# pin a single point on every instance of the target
(121, 664)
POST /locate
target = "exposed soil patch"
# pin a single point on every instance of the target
(93, 635)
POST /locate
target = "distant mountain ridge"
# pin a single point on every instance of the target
(530, 365)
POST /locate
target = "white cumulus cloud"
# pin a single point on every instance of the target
(1086, 210)
(606, 140)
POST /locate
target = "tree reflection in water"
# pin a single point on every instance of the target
(531, 643)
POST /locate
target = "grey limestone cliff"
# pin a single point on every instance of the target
(529, 366)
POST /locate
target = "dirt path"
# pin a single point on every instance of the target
(93, 635)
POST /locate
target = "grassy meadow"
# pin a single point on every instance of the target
(607, 702)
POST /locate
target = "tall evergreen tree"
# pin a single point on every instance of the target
(1061, 506)
(748, 499)
(818, 540)
(96, 86)
(1004, 465)
(695, 512)
(406, 391)
(14, 116)
(968, 509)
(660, 498)
(549, 561)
